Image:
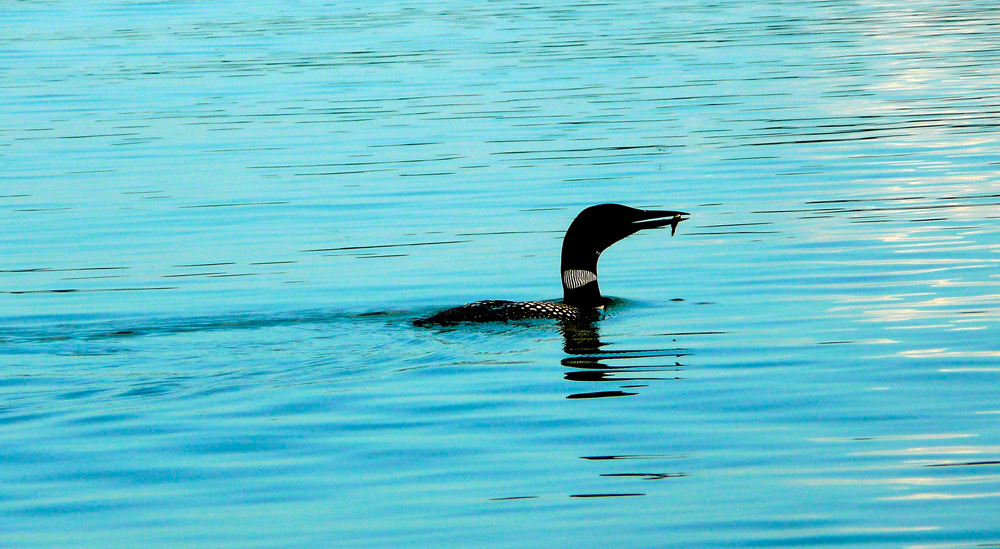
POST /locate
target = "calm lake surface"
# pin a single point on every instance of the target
(219, 220)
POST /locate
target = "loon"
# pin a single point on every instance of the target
(594, 230)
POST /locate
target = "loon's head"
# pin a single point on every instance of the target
(594, 230)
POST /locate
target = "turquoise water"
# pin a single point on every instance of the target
(219, 222)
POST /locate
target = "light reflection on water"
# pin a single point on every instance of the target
(221, 221)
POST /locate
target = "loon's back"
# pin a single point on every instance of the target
(593, 231)
(494, 310)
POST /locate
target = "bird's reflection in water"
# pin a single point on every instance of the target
(628, 370)
(620, 372)
(589, 362)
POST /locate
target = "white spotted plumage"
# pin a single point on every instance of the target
(495, 309)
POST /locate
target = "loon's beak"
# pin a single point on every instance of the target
(651, 219)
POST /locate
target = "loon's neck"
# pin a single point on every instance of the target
(579, 279)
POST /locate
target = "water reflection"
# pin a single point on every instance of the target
(604, 372)
(590, 362)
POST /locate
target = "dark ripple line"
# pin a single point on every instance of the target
(509, 232)
(203, 264)
(50, 270)
(85, 136)
(586, 149)
(621, 495)
(851, 200)
(814, 141)
(77, 290)
(232, 204)
(630, 354)
(635, 456)
(736, 225)
(600, 394)
(646, 476)
(344, 172)
(885, 209)
(716, 233)
(378, 246)
(345, 164)
(192, 274)
(965, 464)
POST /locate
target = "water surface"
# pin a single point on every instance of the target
(219, 222)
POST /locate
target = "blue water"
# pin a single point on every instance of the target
(220, 220)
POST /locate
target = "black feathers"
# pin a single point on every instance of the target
(494, 310)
